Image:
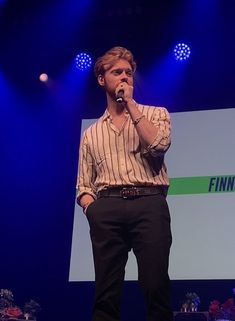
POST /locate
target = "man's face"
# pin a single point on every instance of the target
(121, 71)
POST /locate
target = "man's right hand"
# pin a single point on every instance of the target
(85, 201)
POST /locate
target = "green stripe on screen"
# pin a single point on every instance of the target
(202, 185)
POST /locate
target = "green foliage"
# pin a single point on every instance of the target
(6, 298)
(32, 307)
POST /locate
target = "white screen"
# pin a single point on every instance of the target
(202, 155)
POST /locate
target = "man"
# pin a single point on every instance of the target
(122, 186)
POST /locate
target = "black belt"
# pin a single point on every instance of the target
(132, 191)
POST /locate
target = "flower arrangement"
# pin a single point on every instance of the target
(222, 311)
(8, 310)
(191, 302)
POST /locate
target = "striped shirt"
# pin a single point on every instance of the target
(109, 157)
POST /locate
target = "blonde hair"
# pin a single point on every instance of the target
(106, 61)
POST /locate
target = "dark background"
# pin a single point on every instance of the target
(40, 125)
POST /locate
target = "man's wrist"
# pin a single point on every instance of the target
(131, 104)
(138, 119)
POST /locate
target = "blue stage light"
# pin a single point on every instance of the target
(83, 61)
(182, 52)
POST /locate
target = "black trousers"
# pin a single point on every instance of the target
(118, 225)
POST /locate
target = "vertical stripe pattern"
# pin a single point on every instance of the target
(109, 157)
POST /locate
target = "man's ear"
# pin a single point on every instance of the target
(101, 80)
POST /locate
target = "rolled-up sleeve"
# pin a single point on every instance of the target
(160, 119)
(86, 171)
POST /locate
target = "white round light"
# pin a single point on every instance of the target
(43, 77)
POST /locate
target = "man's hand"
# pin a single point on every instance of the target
(85, 201)
(126, 90)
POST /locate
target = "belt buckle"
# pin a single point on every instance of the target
(127, 192)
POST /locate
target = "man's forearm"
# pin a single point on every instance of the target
(145, 129)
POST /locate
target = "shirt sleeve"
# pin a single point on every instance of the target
(161, 119)
(86, 171)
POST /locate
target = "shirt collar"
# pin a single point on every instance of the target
(107, 115)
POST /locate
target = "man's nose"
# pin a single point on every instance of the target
(124, 77)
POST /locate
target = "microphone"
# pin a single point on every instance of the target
(119, 96)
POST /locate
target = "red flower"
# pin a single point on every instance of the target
(14, 312)
(214, 307)
(228, 304)
(217, 309)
